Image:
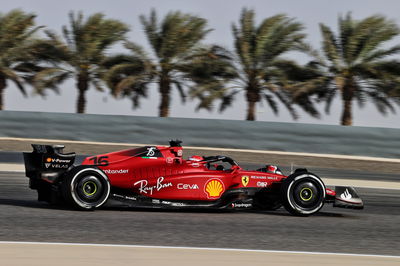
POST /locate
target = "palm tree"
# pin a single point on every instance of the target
(204, 69)
(17, 30)
(212, 70)
(356, 64)
(129, 75)
(261, 70)
(79, 54)
(173, 40)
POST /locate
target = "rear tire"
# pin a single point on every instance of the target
(303, 193)
(86, 188)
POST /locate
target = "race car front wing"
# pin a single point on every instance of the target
(344, 197)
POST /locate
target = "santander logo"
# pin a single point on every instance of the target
(346, 195)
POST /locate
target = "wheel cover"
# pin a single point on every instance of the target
(89, 188)
(306, 194)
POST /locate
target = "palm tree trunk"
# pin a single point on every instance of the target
(81, 104)
(2, 88)
(347, 114)
(347, 119)
(82, 87)
(165, 87)
(252, 98)
(251, 111)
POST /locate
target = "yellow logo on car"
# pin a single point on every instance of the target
(214, 188)
(245, 180)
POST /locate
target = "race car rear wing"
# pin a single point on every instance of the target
(47, 162)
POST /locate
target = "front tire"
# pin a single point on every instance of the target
(86, 188)
(303, 193)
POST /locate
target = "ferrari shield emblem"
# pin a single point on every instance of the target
(245, 180)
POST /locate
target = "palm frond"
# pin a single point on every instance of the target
(227, 100)
(330, 45)
(381, 53)
(180, 89)
(13, 76)
(49, 78)
(151, 29)
(272, 103)
(136, 49)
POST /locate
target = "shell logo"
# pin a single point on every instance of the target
(214, 188)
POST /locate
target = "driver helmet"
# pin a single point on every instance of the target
(273, 169)
(196, 158)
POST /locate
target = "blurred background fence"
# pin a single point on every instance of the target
(292, 137)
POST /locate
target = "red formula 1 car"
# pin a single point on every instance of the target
(158, 177)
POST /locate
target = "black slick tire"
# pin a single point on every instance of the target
(303, 193)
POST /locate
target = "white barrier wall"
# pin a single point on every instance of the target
(294, 137)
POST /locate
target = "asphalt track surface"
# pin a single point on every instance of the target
(374, 230)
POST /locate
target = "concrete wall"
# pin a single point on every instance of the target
(293, 137)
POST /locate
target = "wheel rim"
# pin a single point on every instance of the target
(90, 188)
(306, 195)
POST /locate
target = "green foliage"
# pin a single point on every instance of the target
(357, 63)
(175, 36)
(261, 70)
(181, 61)
(87, 41)
(17, 30)
(211, 70)
(79, 53)
(129, 75)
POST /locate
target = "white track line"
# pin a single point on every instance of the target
(12, 167)
(198, 248)
(322, 155)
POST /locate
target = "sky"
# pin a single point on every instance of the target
(220, 15)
